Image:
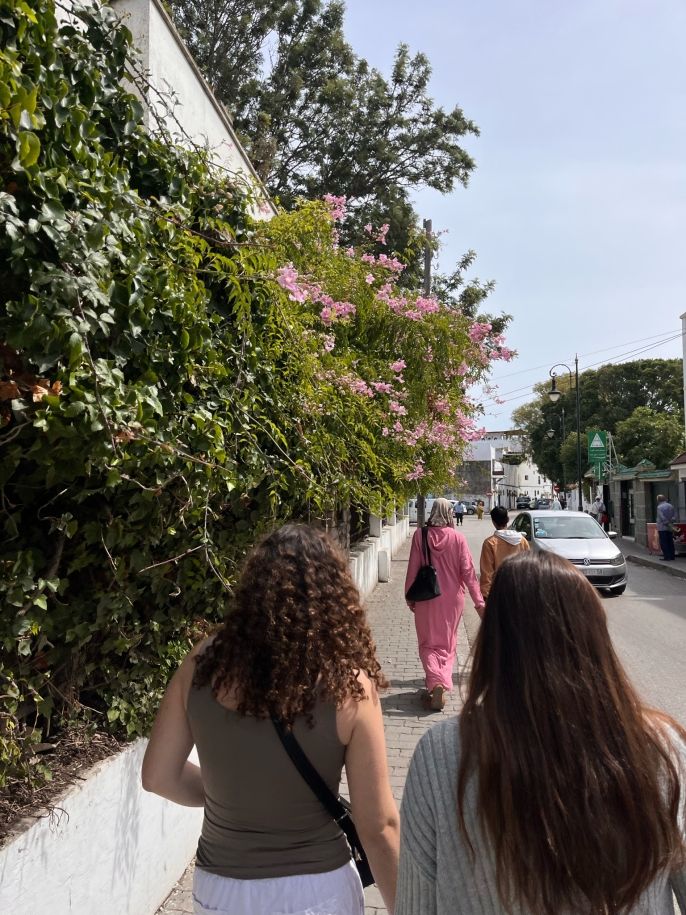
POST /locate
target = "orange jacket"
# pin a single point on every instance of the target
(494, 551)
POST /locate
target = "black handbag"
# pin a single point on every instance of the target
(338, 808)
(425, 586)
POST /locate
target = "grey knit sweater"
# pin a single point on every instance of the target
(437, 873)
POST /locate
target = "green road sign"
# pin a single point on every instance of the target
(597, 446)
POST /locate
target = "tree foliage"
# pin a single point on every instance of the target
(318, 119)
(631, 392)
(647, 434)
(174, 378)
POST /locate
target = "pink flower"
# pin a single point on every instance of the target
(398, 366)
(368, 259)
(417, 473)
(397, 426)
(329, 342)
(368, 228)
(479, 332)
(385, 431)
(369, 278)
(396, 407)
(382, 387)
(462, 369)
(383, 232)
(287, 278)
(350, 252)
(336, 205)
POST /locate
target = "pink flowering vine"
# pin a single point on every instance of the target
(337, 206)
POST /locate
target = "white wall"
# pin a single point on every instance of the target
(110, 849)
(196, 113)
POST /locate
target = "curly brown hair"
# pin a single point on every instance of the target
(296, 631)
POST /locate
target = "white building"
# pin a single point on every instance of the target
(498, 470)
(177, 98)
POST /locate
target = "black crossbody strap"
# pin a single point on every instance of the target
(425, 545)
(318, 786)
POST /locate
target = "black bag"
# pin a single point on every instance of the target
(425, 586)
(338, 808)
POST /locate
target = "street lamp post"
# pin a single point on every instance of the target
(551, 434)
(554, 396)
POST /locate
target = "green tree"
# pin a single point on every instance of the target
(608, 395)
(647, 434)
(318, 119)
(174, 379)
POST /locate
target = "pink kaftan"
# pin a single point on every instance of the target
(436, 620)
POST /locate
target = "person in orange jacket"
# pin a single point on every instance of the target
(496, 548)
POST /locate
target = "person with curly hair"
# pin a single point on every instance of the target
(294, 647)
(557, 789)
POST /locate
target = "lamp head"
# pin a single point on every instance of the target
(550, 433)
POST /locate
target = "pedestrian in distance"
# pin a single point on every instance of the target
(665, 528)
(498, 547)
(597, 510)
(479, 510)
(294, 652)
(556, 504)
(557, 789)
(459, 511)
(436, 620)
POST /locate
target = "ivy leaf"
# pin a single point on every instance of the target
(28, 148)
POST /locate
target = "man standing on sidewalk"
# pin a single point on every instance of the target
(665, 516)
(459, 512)
(498, 547)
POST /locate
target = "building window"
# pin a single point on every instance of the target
(526, 476)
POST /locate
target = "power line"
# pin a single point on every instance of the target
(528, 387)
(619, 358)
(593, 353)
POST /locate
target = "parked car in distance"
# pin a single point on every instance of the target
(577, 537)
(541, 504)
(523, 502)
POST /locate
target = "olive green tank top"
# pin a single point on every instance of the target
(261, 819)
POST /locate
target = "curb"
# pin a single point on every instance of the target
(652, 564)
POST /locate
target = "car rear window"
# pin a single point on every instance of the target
(555, 526)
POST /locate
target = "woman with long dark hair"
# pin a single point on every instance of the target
(295, 647)
(556, 790)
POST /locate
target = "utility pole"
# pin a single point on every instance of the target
(683, 344)
(578, 434)
(421, 503)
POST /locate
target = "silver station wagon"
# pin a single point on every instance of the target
(577, 537)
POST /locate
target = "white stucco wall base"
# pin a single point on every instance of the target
(111, 848)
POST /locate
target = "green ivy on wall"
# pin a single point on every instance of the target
(172, 382)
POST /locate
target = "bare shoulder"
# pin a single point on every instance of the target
(353, 708)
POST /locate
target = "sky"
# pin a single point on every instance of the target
(577, 207)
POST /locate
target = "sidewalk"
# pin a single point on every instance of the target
(405, 720)
(638, 554)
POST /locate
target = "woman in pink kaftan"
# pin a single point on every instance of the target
(437, 620)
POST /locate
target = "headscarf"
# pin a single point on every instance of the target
(441, 514)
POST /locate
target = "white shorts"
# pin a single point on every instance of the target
(336, 892)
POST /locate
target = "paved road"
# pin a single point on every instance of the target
(648, 626)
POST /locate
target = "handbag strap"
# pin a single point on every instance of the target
(336, 810)
(425, 545)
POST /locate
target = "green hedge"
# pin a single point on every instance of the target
(162, 398)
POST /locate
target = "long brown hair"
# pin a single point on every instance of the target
(578, 784)
(296, 629)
